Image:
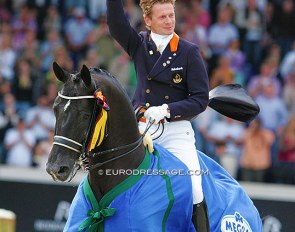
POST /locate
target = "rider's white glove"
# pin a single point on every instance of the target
(147, 140)
(156, 113)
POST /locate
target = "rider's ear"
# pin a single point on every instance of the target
(61, 74)
(85, 75)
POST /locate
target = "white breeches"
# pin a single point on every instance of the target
(179, 138)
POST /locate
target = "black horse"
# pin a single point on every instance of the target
(127, 188)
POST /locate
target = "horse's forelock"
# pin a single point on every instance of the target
(73, 86)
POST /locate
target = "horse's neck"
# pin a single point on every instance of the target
(106, 177)
(122, 130)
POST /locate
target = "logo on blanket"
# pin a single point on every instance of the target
(235, 222)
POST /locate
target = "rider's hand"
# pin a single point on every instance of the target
(147, 140)
(156, 113)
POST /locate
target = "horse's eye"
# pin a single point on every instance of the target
(84, 116)
(56, 105)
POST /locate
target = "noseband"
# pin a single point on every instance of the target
(68, 143)
(81, 148)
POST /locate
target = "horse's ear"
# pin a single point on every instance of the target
(61, 74)
(85, 75)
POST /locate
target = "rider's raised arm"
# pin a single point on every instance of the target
(120, 27)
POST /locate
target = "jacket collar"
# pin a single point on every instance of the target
(167, 57)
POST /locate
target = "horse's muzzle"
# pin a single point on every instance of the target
(57, 172)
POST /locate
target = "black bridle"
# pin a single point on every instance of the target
(82, 148)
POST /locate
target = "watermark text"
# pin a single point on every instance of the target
(152, 172)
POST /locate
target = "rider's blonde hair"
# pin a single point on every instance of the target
(146, 5)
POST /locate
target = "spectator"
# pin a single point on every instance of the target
(39, 9)
(53, 42)
(25, 84)
(239, 17)
(16, 6)
(268, 14)
(70, 5)
(31, 50)
(62, 57)
(236, 56)
(289, 93)
(201, 126)
(254, 32)
(134, 14)
(283, 29)
(22, 23)
(19, 142)
(287, 141)
(7, 57)
(8, 118)
(237, 61)
(101, 39)
(77, 32)
(273, 55)
(273, 111)
(9, 114)
(225, 134)
(5, 10)
(96, 9)
(183, 9)
(200, 14)
(51, 90)
(123, 68)
(222, 32)
(6, 28)
(222, 74)
(266, 75)
(92, 59)
(288, 63)
(256, 155)
(192, 31)
(285, 171)
(40, 118)
(5, 88)
(213, 9)
(42, 150)
(52, 20)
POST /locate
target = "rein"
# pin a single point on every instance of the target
(81, 148)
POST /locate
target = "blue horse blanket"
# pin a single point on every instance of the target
(158, 197)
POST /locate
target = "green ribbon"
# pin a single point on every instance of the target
(95, 218)
(100, 210)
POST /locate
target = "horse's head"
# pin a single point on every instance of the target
(81, 113)
(72, 119)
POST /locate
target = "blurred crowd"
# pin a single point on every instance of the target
(248, 42)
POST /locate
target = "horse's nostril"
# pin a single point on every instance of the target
(62, 170)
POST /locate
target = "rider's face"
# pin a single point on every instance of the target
(162, 19)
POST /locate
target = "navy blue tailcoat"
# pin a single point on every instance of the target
(178, 77)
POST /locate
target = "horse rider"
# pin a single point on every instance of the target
(172, 83)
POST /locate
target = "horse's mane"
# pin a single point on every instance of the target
(113, 79)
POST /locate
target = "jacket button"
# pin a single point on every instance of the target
(167, 97)
(148, 91)
(147, 104)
